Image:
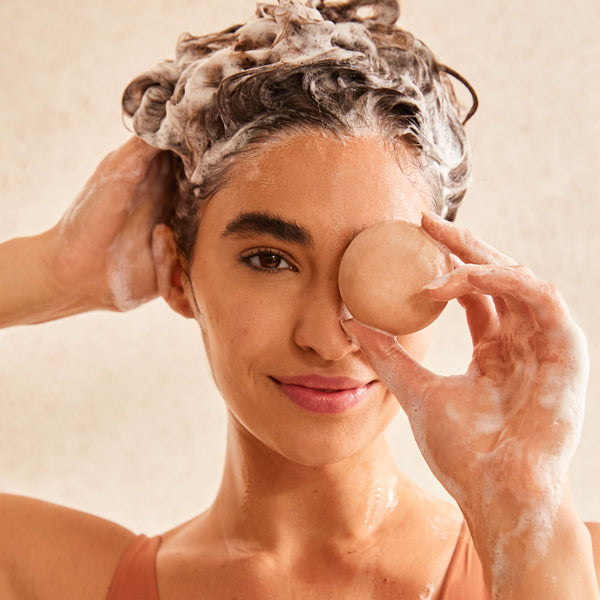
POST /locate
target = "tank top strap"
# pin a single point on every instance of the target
(135, 576)
(464, 577)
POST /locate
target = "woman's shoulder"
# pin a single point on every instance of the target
(49, 551)
(594, 529)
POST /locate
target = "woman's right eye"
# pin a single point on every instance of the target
(267, 260)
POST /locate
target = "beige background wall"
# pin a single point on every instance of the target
(116, 414)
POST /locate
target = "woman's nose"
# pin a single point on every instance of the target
(318, 326)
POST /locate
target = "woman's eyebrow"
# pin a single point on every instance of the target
(261, 223)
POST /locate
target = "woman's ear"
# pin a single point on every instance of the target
(170, 274)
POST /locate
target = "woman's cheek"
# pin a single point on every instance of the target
(247, 324)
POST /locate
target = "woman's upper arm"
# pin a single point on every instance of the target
(49, 551)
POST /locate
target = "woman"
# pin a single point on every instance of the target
(276, 134)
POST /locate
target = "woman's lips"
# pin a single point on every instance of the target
(325, 395)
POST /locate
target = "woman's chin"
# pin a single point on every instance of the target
(330, 448)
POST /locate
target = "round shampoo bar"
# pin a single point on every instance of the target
(382, 274)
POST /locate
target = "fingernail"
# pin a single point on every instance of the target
(433, 216)
(456, 262)
(352, 327)
(376, 344)
(437, 283)
(346, 324)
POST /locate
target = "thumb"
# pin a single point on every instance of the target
(399, 371)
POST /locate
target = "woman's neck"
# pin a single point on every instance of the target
(272, 503)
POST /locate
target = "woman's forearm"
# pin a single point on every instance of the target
(549, 560)
(28, 294)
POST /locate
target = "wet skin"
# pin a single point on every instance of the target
(299, 485)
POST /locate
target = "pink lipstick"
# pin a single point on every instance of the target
(325, 395)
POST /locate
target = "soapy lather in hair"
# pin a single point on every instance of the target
(339, 67)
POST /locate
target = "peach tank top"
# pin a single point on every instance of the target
(135, 576)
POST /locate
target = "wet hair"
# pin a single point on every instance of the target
(342, 68)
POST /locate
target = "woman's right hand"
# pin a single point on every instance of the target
(98, 256)
(100, 250)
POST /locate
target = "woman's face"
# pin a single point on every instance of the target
(264, 277)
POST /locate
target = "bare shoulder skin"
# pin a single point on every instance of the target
(594, 529)
(49, 551)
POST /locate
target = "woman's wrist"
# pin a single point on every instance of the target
(536, 555)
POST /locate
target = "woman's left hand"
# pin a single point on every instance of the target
(499, 437)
